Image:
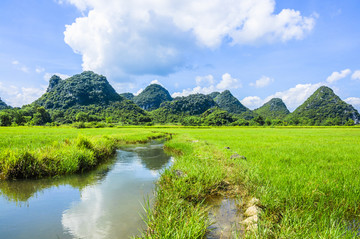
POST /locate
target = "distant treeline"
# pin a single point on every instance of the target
(37, 115)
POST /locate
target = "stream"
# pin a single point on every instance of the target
(104, 203)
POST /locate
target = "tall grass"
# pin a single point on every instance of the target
(64, 156)
(179, 210)
(307, 179)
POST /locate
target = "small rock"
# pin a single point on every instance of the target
(250, 220)
(237, 156)
(227, 147)
(179, 173)
(195, 141)
(254, 201)
(234, 156)
(251, 211)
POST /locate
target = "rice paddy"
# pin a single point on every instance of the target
(306, 179)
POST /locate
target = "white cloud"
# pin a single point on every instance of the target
(356, 75)
(155, 82)
(20, 67)
(292, 97)
(252, 102)
(354, 101)
(39, 70)
(118, 37)
(48, 75)
(18, 96)
(206, 85)
(91, 222)
(335, 76)
(139, 91)
(295, 96)
(228, 82)
(262, 82)
(195, 90)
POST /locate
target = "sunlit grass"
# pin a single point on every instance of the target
(40, 152)
(307, 179)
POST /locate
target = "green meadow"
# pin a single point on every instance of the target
(307, 179)
(35, 152)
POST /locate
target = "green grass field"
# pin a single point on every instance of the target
(36, 152)
(307, 179)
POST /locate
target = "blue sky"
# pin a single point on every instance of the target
(258, 49)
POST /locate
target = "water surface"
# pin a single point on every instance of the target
(104, 203)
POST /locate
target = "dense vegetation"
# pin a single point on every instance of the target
(195, 104)
(228, 102)
(305, 180)
(86, 97)
(214, 94)
(324, 108)
(83, 89)
(152, 97)
(129, 96)
(274, 109)
(88, 100)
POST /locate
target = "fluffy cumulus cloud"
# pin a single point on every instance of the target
(356, 75)
(292, 97)
(354, 101)
(155, 82)
(252, 102)
(295, 96)
(19, 96)
(335, 76)
(228, 82)
(262, 82)
(138, 37)
(207, 84)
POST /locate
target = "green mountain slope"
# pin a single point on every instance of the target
(3, 105)
(324, 104)
(214, 94)
(152, 97)
(91, 95)
(274, 109)
(83, 89)
(174, 111)
(129, 96)
(228, 102)
(195, 104)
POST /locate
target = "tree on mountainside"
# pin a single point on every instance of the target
(152, 97)
(5, 119)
